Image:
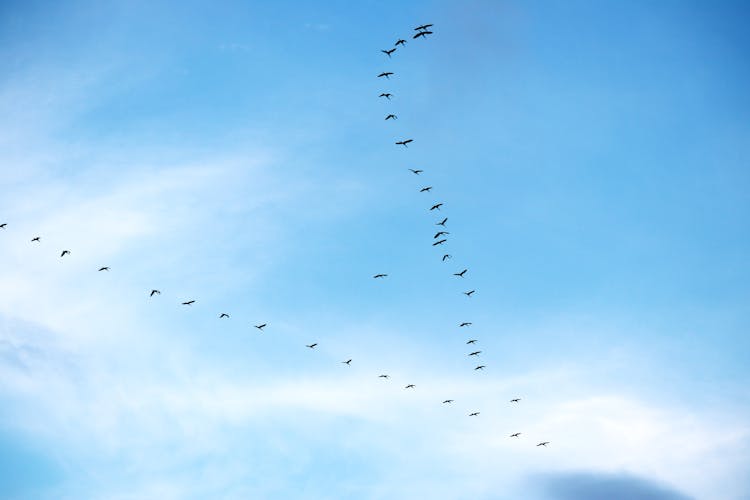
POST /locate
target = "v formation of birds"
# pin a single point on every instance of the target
(422, 32)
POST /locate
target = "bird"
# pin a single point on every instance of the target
(465, 323)
(36, 238)
(404, 143)
(391, 117)
(442, 222)
(223, 315)
(475, 353)
(2, 226)
(154, 292)
(312, 346)
(515, 434)
(386, 95)
(461, 274)
(448, 401)
(543, 443)
(388, 52)
(188, 303)
(347, 362)
(474, 414)
(260, 327)
(417, 172)
(400, 42)
(439, 234)
(422, 33)
(410, 386)
(105, 268)
(423, 27)
(468, 294)
(383, 376)
(439, 242)
(480, 367)
(425, 189)
(380, 276)
(472, 341)
(515, 400)
(64, 253)
(386, 74)
(436, 206)
(446, 256)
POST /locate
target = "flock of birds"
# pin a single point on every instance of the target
(423, 32)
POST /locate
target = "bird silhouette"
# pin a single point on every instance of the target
(448, 401)
(383, 376)
(386, 95)
(388, 52)
(439, 234)
(347, 362)
(2, 226)
(36, 238)
(154, 292)
(380, 276)
(417, 172)
(188, 303)
(446, 256)
(391, 117)
(312, 346)
(400, 42)
(469, 293)
(260, 327)
(475, 353)
(410, 386)
(425, 189)
(472, 341)
(465, 323)
(515, 400)
(423, 27)
(543, 443)
(436, 206)
(480, 367)
(223, 315)
(404, 143)
(461, 274)
(105, 268)
(64, 253)
(515, 434)
(474, 414)
(386, 74)
(442, 222)
(439, 242)
(423, 34)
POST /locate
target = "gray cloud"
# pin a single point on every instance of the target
(601, 486)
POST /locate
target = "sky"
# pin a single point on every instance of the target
(591, 158)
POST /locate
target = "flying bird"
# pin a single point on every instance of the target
(2, 226)
(543, 443)
(468, 294)
(439, 234)
(64, 253)
(386, 95)
(223, 315)
(400, 42)
(417, 172)
(36, 238)
(515, 434)
(388, 52)
(461, 274)
(474, 414)
(436, 206)
(472, 341)
(446, 256)
(439, 242)
(391, 117)
(425, 189)
(404, 143)
(442, 222)
(410, 386)
(188, 303)
(312, 346)
(423, 27)
(422, 33)
(465, 323)
(386, 74)
(154, 292)
(480, 367)
(383, 376)
(105, 268)
(260, 327)
(448, 401)
(515, 400)
(380, 276)
(475, 353)
(347, 362)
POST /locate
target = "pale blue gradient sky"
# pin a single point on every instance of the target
(592, 159)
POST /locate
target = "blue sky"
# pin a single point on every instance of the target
(592, 161)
